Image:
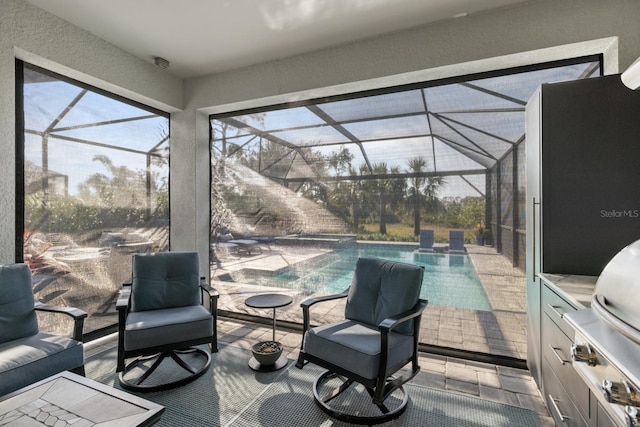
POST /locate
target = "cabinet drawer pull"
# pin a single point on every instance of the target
(535, 253)
(555, 351)
(554, 403)
(555, 308)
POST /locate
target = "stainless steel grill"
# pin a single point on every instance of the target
(606, 349)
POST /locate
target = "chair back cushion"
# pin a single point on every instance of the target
(381, 289)
(164, 280)
(17, 315)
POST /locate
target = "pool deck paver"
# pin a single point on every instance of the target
(500, 332)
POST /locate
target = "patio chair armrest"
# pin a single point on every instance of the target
(122, 302)
(212, 295)
(311, 301)
(122, 305)
(391, 322)
(76, 314)
(385, 328)
(306, 305)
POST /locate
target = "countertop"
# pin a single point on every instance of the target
(578, 289)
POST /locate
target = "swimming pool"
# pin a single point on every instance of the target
(449, 280)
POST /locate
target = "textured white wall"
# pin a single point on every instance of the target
(30, 34)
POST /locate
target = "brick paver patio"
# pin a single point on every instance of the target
(500, 332)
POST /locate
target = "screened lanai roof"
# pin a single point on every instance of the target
(67, 125)
(460, 128)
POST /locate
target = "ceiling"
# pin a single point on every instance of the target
(200, 37)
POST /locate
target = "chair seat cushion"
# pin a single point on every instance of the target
(355, 346)
(161, 327)
(31, 359)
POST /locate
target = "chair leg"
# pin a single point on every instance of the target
(386, 413)
(184, 365)
(338, 391)
(79, 370)
(136, 384)
(153, 367)
(301, 361)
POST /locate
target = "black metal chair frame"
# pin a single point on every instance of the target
(378, 388)
(173, 350)
(76, 314)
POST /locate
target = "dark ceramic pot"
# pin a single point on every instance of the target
(267, 352)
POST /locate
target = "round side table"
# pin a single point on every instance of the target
(272, 301)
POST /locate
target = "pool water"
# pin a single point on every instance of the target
(449, 280)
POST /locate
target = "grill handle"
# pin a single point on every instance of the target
(584, 353)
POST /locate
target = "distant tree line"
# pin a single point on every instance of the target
(400, 195)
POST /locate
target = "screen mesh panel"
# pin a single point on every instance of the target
(95, 181)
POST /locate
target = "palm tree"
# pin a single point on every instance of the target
(397, 190)
(383, 186)
(121, 188)
(416, 183)
(354, 191)
(431, 190)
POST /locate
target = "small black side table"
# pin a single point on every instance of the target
(269, 301)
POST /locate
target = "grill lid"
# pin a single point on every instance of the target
(616, 297)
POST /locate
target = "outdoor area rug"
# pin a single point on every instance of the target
(231, 394)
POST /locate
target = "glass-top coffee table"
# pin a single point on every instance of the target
(267, 355)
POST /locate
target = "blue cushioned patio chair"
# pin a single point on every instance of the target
(377, 338)
(456, 242)
(161, 315)
(28, 355)
(426, 241)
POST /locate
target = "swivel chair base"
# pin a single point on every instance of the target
(135, 384)
(397, 401)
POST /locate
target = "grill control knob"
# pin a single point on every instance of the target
(617, 392)
(631, 413)
(584, 353)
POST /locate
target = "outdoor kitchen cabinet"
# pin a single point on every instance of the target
(582, 206)
(602, 419)
(565, 393)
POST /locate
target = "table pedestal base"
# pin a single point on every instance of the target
(257, 366)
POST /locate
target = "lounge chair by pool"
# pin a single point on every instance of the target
(456, 242)
(265, 240)
(248, 246)
(426, 241)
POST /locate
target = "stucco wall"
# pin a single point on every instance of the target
(35, 36)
